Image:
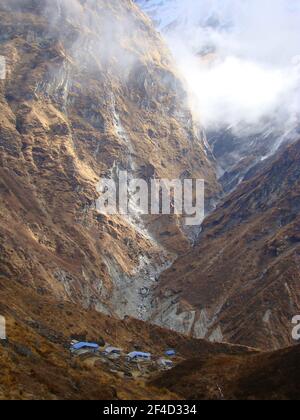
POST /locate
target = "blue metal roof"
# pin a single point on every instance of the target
(170, 353)
(79, 346)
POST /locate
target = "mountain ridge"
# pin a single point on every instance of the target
(71, 116)
(243, 272)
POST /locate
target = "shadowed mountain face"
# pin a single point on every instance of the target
(271, 376)
(90, 90)
(241, 282)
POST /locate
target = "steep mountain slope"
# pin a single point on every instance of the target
(35, 361)
(90, 90)
(241, 282)
(271, 376)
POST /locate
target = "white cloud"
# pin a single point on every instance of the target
(254, 72)
(233, 89)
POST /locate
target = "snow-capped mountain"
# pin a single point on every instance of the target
(176, 12)
(186, 21)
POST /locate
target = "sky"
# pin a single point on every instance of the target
(253, 72)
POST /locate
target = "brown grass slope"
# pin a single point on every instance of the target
(35, 362)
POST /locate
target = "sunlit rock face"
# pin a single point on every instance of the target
(90, 90)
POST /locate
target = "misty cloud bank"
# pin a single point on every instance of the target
(240, 58)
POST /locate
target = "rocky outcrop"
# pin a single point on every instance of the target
(90, 89)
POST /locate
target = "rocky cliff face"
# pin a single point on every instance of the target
(240, 150)
(241, 282)
(90, 89)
